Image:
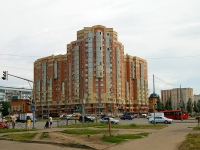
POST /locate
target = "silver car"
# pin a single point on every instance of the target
(160, 120)
(112, 120)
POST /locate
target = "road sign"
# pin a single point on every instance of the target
(32, 108)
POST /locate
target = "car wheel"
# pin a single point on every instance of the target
(166, 122)
(112, 122)
(152, 121)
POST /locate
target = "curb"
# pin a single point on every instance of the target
(74, 145)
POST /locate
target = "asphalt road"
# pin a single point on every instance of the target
(41, 124)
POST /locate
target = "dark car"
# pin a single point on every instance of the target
(86, 119)
(128, 117)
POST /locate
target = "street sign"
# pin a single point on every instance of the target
(32, 108)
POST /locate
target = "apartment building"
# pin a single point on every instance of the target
(7, 94)
(177, 95)
(93, 74)
(196, 97)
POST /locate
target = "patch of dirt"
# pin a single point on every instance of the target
(92, 140)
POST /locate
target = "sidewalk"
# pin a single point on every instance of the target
(169, 138)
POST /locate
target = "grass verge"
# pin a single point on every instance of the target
(44, 135)
(23, 136)
(192, 142)
(15, 130)
(196, 128)
(82, 131)
(122, 137)
(117, 126)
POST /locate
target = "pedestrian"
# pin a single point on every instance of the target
(50, 121)
(13, 123)
(47, 124)
(29, 123)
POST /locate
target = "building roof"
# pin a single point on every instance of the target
(154, 95)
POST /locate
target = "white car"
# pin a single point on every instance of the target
(112, 120)
(89, 116)
(160, 120)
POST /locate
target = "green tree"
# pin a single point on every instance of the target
(198, 105)
(189, 106)
(5, 106)
(160, 105)
(168, 104)
(195, 108)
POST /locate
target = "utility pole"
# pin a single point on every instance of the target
(154, 102)
(83, 106)
(181, 103)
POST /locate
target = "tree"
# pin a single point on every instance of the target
(195, 108)
(160, 105)
(5, 106)
(168, 104)
(198, 105)
(189, 106)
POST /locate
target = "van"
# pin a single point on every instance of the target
(157, 114)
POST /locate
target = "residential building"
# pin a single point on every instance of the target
(94, 73)
(178, 96)
(196, 97)
(7, 94)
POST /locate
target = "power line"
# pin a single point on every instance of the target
(165, 82)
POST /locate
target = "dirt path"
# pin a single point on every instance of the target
(169, 138)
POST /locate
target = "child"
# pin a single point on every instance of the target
(46, 124)
(28, 123)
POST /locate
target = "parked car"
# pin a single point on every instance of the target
(128, 117)
(86, 119)
(160, 120)
(112, 120)
(76, 115)
(10, 118)
(64, 117)
(3, 125)
(89, 116)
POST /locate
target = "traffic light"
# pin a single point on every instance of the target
(5, 75)
(29, 100)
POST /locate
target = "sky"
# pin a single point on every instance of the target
(165, 33)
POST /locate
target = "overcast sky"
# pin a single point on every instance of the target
(165, 33)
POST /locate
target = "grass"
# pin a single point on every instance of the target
(82, 131)
(192, 142)
(122, 137)
(196, 128)
(15, 130)
(23, 136)
(45, 135)
(116, 126)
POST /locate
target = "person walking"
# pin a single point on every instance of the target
(50, 121)
(13, 123)
(28, 123)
